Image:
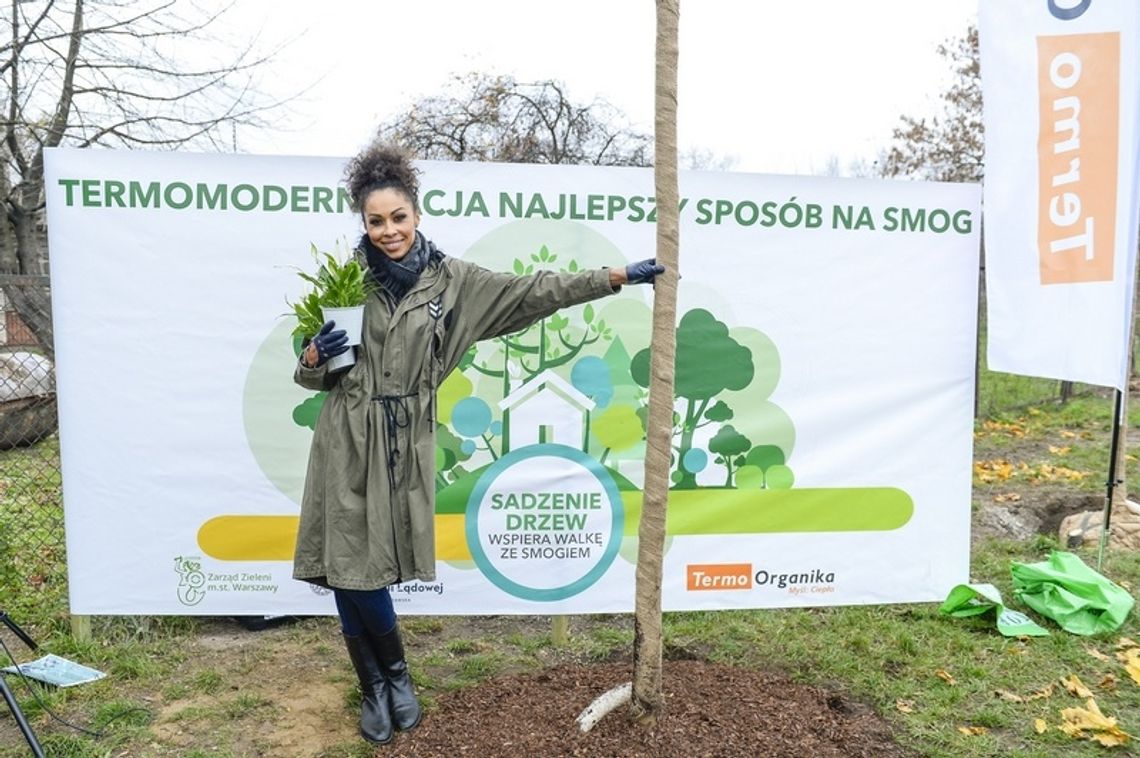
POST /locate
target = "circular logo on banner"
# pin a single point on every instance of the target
(544, 522)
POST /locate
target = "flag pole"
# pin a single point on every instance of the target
(1118, 413)
(1113, 480)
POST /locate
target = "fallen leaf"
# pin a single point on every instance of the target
(1009, 497)
(1074, 685)
(1067, 434)
(1131, 660)
(1040, 726)
(1124, 642)
(1097, 654)
(1090, 723)
(905, 706)
(1059, 450)
(990, 471)
(1013, 697)
(972, 731)
(1108, 682)
(1054, 473)
(945, 676)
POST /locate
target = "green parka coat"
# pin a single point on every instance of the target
(368, 510)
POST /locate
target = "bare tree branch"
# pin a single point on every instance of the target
(119, 73)
(948, 147)
(487, 118)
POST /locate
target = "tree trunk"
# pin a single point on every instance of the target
(1066, 392)
(9, 260)
(28, 297)
(647, 699)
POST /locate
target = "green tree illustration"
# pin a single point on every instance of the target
(618, 428)
(709, 361)
(471, 417)
(765, 468)
(720, 412)
(449, 453)
(591, 377)
(309, 410)
(551, 342)
(729, 446)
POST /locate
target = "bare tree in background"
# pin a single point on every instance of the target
(703, 159)
(480, 117)
(118, 73)
(947, 147)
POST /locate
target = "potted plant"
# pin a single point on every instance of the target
(338, 290)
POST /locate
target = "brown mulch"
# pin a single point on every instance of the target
(710, 710)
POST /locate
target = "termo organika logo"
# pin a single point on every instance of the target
(739, 576)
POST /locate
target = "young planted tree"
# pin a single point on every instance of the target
(648, 699)
(645, 694)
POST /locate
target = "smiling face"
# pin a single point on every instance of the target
(390, 220)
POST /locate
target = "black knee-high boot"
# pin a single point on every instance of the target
(389, 648)
(375, 713)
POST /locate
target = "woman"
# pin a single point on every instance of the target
(367, 516)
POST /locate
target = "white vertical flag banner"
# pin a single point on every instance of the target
(1062, 99)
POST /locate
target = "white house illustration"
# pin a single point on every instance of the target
(545, 409)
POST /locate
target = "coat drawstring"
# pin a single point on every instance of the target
(396, 417)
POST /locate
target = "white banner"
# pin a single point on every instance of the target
(825, 387)
(1062, 106)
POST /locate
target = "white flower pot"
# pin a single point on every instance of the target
(351, 320)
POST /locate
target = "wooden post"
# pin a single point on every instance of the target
(81, 628)
(560, 630)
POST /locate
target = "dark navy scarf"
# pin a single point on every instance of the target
(398, 277)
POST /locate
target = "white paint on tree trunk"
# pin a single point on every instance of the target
(603, 704)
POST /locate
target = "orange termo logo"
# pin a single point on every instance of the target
(718, 576)
(1078, 144)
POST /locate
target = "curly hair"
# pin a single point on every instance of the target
(381, 166)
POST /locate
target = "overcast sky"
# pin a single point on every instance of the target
(780, 86)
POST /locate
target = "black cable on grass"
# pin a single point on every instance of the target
(50, 712)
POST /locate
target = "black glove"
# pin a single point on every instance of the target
(329, 343)
(643, 272)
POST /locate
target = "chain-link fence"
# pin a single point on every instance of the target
(32, 560)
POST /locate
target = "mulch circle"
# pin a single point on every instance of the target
(710, 710)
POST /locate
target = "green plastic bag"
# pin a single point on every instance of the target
(967, 600)
(1064, 589)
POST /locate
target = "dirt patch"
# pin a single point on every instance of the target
(711, 710)
(1035, 511)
